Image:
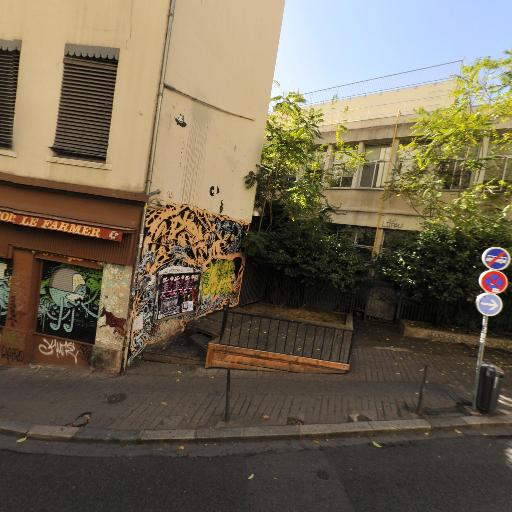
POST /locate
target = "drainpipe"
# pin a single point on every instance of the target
(149, 174)
(156, 121)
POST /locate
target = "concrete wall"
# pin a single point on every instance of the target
(44, 27)
(386, 104)
(220, 71)
(366, 207)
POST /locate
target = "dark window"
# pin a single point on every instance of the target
(9, 63)
(86, 98)
(5, 283)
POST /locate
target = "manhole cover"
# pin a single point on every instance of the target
(116, 398)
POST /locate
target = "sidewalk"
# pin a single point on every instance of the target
(382, 385)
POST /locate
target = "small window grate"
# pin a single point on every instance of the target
(85, 108)
(9, 64)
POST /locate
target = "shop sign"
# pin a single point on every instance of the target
(72, 228)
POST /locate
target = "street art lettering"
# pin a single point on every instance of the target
(5, 279)
(392, 224)
(11, 354)
(61, 349)
(69, 301)
(177, 293)
(179, 241)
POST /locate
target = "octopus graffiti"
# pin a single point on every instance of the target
(191, 264)
(69, 301)
(5, 278)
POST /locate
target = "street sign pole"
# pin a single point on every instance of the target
(479, 361)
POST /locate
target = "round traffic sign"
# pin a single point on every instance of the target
(493, 281)
(496, 258)
(489, 304)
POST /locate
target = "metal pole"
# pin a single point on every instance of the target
(479, 361)
(419, 407)
(228, 392)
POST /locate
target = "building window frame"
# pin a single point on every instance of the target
(10, 51)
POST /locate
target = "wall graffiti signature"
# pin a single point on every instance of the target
(61, 349)
(180, 240)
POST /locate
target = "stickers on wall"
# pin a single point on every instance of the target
(69, 301)
(177, 293)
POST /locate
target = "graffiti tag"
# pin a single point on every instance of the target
(61, 349)
(11, 354)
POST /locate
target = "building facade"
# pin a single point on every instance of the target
(377, 123)
(125, 133)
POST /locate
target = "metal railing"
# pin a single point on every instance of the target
(284, 336)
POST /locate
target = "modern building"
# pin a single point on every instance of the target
(126, 128)
(378, 115)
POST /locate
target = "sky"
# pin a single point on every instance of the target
(325, 43)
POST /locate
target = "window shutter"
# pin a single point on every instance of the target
(85, 107)
(9, 63)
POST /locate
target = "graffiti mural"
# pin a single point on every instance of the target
(5, 279)
(191, 265)
(69, 301)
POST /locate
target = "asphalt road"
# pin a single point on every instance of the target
(450, 473)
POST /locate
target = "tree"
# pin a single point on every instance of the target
(291, 175)
(292, 234)
(443, 262)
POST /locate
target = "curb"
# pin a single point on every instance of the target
(368, 428)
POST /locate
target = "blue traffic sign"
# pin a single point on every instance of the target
(489, 304)
(496, 258)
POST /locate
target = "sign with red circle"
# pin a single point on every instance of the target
(493, 281)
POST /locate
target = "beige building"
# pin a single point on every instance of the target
(377, 123)
(126, 128)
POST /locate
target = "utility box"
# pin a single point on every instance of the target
(489, 386)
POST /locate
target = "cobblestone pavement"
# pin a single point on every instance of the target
(383, 384)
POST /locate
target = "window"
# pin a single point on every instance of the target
(372, 173)
(9, 63)
(69, 301)
(499, 165)
(341, 172)
(86, 99)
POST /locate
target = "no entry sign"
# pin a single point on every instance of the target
(496, 258)
(493, 281)
(489, 304)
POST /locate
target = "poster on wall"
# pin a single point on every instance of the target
(177, 294)
(69, 301)
(5, 280)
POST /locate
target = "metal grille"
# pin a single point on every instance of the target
(85, 108)
(9, 63)
(283, 336)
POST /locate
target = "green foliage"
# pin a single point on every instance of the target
(482, 102)
(291, 174)
(308, 252)
(443, 263)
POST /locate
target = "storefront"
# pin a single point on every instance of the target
(66, 265)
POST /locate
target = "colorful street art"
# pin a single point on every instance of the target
(191, 264)
(5, 279)
(69, 301)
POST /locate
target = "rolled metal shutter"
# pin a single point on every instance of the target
(9, 64)
(85, 107)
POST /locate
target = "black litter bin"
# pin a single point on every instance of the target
(489, 386)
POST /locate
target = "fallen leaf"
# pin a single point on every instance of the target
(265, 417)
(163, 403)
(21, 439)
(427, 433)
(181, 447)
(457, 430)
(316, 441)
(377, 445)
(251, 476)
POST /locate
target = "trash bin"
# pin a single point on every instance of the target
(489, 386)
